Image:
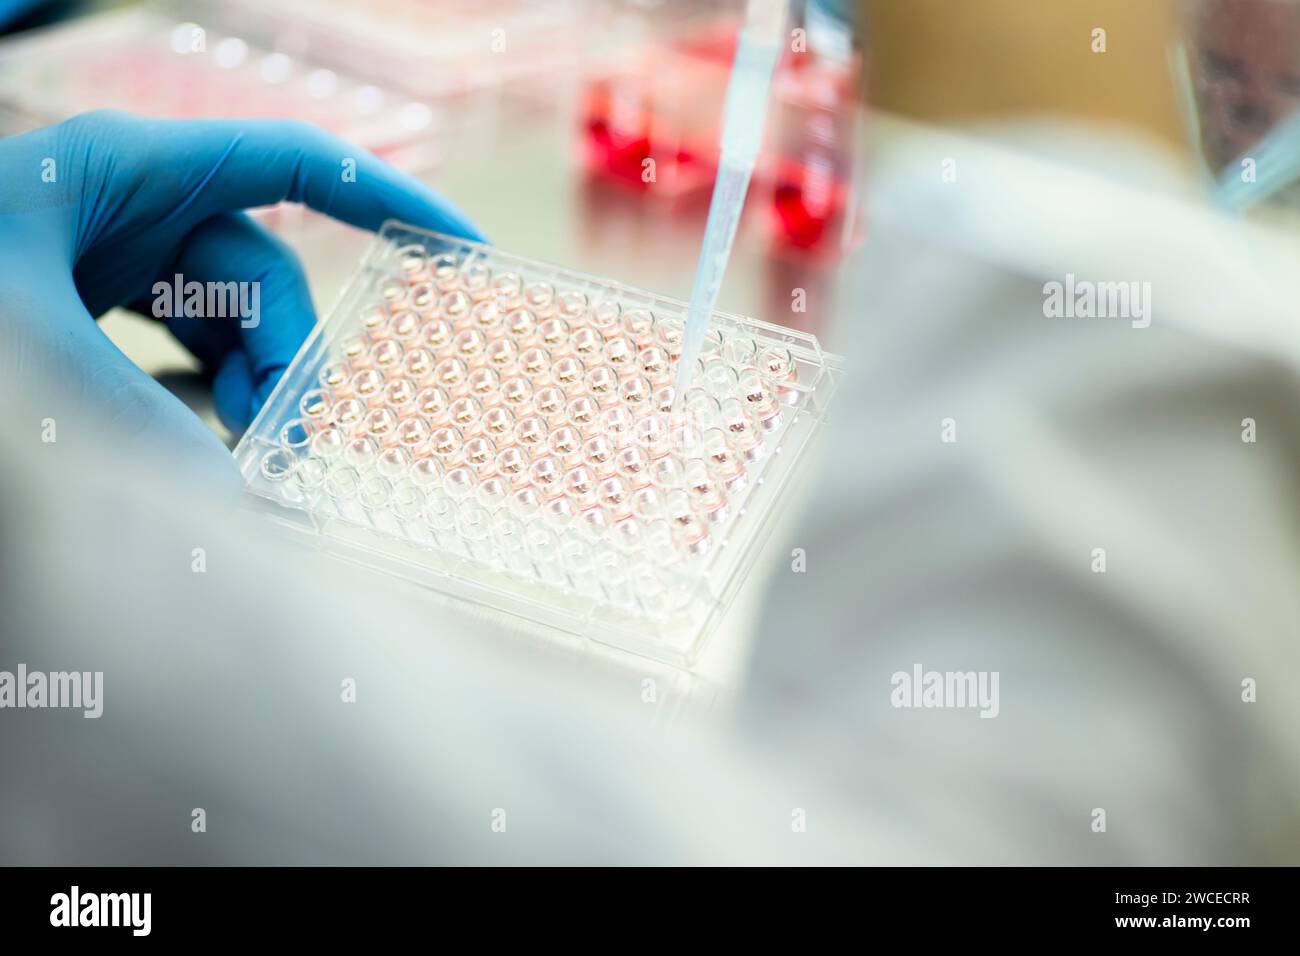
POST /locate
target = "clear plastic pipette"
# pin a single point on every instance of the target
(742, 132)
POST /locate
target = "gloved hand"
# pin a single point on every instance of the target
(96, 210)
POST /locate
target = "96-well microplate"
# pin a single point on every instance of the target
(507, 431)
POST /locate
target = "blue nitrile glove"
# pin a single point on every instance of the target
(97, 210)
(11, 11)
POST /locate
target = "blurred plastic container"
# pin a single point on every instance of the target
(812, 169)
(397, 77)
(437, 48)
(651, 122)
(185, 61)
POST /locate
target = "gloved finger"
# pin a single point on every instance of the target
(203, 167)
(256, 310)
(73, 373)
(234, 391)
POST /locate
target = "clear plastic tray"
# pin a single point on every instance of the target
(505, 431)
